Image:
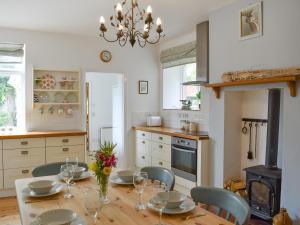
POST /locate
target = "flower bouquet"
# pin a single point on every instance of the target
(105, 160)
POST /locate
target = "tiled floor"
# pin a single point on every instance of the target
(9, 213)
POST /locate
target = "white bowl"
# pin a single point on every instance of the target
(126, 175)
(175, 199)
(57, 217)
(78, 171)
(42, 186)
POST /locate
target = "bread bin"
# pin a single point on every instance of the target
(153, 121)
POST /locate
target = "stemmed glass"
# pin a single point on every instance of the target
(160, 202)
(67, 173)
(140, 180)
(92, 203)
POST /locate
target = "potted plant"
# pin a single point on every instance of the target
(105, 160)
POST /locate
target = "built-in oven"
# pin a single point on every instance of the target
(184, 158)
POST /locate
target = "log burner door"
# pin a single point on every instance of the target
(261, 197)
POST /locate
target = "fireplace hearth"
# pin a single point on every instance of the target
(264, 181)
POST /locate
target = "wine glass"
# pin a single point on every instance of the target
(92, 203)
(160, 202)
(140, 180)
(67, 172)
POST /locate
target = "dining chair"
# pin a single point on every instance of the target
(52, 169)
(223, 200)
(164, 175)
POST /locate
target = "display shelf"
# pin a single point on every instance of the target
(54, 90)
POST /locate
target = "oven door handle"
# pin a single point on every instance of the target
(183, 150)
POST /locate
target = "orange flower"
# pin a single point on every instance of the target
(107, 170)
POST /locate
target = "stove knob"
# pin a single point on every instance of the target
(188, 143)
(258, 208)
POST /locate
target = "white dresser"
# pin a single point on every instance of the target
(19, 156)
(154, 149)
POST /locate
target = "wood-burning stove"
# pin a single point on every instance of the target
(264, 181)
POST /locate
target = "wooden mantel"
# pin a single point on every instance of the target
(290, 80)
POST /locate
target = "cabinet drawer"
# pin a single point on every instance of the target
(143, 160)
(161, 163)
(29, 157)
(1, 179)
(23, 143)
(143, 134)
(10, 175)
(64, 141)
(161, 151)
(143, 146)
(161, 138)
(59, 154)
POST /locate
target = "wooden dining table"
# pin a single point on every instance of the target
(120, 211)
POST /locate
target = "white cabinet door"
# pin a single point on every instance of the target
(143, 146)
(59, 154)
(10, 175)
(161, 151)
(65, 141)
(18, 158)
(161, 138)
(23, 143)
(143, 160)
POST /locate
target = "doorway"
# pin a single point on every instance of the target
(105, 98)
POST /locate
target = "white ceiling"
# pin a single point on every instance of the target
(81, 16)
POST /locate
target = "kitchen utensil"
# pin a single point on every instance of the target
(42, 186)
(27, 192)
(174, 198)
(244, 129)
(57, 216)
(255, 147)
(250, 154)
(126, 175)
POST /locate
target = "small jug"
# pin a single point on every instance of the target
(282, 218)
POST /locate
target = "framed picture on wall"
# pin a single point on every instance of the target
(143, 87)
(250, 21)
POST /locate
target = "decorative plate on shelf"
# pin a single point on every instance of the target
(48, 82)
(59, 97)
(43, 97)
(71, 98)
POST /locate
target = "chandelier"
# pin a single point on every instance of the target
(132, 24)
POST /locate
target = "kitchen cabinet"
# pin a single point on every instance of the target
(21, 153)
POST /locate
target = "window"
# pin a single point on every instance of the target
(12, 99)
(175, 95)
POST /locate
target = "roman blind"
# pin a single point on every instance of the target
(179, 55)
(11, 53)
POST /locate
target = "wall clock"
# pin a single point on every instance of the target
(105, 56)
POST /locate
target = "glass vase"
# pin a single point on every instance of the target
(103, 182)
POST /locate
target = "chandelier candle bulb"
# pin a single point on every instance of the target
(119, 7)
(102, 20)
(149, 9)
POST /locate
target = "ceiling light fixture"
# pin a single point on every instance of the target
(127, 24)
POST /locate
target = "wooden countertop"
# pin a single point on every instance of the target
(38, 134)
(202, 135)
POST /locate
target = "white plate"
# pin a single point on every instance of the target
(117, 180)
(27, 192)
(57, 217)
(83, 176)
(187, 206)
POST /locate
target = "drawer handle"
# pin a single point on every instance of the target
(24, 142)
(65, 140)
(143, 142)
(65, 149)
(24, 152)
(160, 146)
(160, 163)
(25, 171)
(143, 157)
(161, 138)
(143, 134)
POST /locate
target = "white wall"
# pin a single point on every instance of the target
(48, 50)
(278, 47)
